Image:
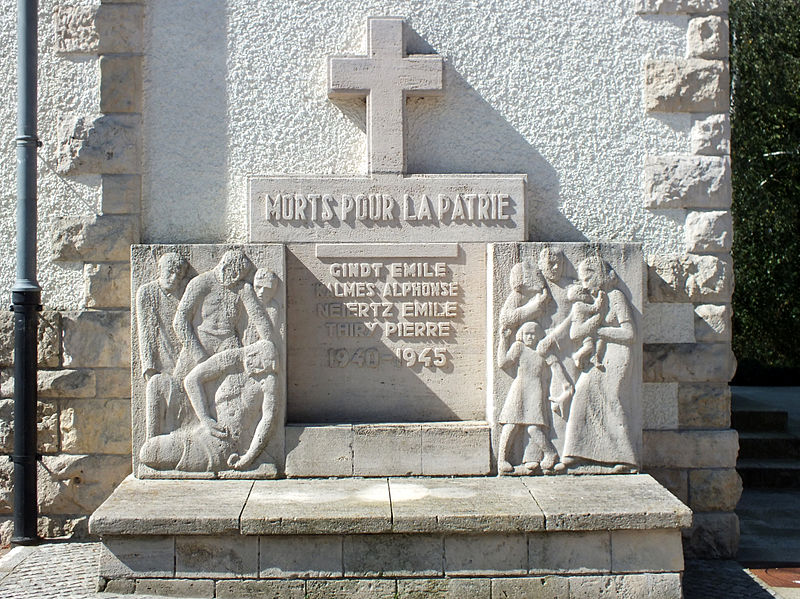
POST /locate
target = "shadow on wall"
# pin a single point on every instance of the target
(484, 142)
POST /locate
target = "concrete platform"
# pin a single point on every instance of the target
(566, 532)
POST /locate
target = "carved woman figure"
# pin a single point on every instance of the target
(598, 428)
(527, 299)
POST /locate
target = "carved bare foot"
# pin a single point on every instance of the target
(503, 467)
(549, 461)
(530, 467)
(559, 468)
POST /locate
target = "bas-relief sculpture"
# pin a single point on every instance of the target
(210, 351)
(568, 357)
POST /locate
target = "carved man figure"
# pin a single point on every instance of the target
(265, 286)
(233, 429)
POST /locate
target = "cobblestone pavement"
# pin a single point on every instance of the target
(69, 571)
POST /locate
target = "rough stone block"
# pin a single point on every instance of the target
(123, 586)
(48, 335)
(690, 449)
(98, 339)
(709, 231)
(486, 554)
(120, 84)
(707, 37)
(100, 29)
(646, 551)
(137, 557)
(547, 587)
(234, 556)
(663, 586)
(676, 481)
(714, 490)
(660, 405)
(690, 278)
(712, 323)
(93, 238)
(712, 536)
(387, 450)
(319, 451)
(92, 144)
(260, 589)
(569, 552)
(107, 285)
(675, 181)
(686, 85)
(66, 383)
(688, 362)
(668, 323)
(444, 588)
(457, 448)
(113, 382)
(711, 135)
(351, 589)
(46, 426)
(704, 405)
(175, 587)
(96, 426)
(122, 194)
(303, 556)
(672, 7)
(412, 555)
(78, 484)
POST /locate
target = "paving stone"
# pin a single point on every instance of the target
(107, 285)
(660, 405)
(690, 449)
(351, 589)
(704, 405)
(707, 37)
(92, 238)
(612, 502)
(175, 587)
(260, 589)
(709, 231)
(677, 181)
(444, 588)
(193, 507)
(686, 85)
(646, 551)
(668, 323)
(97, 339)
(690, 278)
(711, 135)
(463, 505)
(547, 587)
(671, 7)
(411, 555)
(387, 450)
(120, 84)
(137, 557)
(715, 490)
(230, 556)
(305, 556)
(712, 323)
(457, 448)
(569, 552)
(96, 426)
(334, 506)
(122, 194)
(485, 555)
(319, 451)
(713, 535)
(688, 362)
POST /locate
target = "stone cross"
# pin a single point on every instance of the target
(386, 76)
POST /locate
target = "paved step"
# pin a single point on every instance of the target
(752, 419)
(769, 474)
(769, 445)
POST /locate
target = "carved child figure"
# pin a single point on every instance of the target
(584, 319)
(527, 402)
(526, 301)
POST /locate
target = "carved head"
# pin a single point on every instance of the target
(524, 279)
(171, 270)
(596, 274)
(260, 357)
(551, 263)
(530, 333)
(265, 283)
(233, 267)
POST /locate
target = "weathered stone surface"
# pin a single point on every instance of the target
(485, 555)
(456, 448)
(306, 556)
(172, 507)
(463, 505)
(663, 586)
(99, 339)
(351, 589)
(91, 238)
(387, 450)
(122, 194)
(707, 37)
(319, 451)
(570, 552)
(99, 29)
(690, 449)
(46, 426)
(75, 484)
(686, 85)
(714, 490)
(120, 84)
(96, 426)
(318, 506)
(444, 588)
(175, 587)
(712, 135)
(48, 335)
(676, 481)
(646, 551)
(676, 181)
(607, 502)
(681, 6)
(92, 144)
(135, 557)
(668, 323)
(660, 405)
(75, 527)
(393, 555)
(704, 405)
(690, 278)
(709, 231)
(688, 362)
(66, 383)
(547, 587)
(107, 285)
(124, 586)
(113, 382)
(712, 536)
(712, 323)
(233, 556)
(260, 589)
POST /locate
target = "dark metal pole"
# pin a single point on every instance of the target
(26, 294)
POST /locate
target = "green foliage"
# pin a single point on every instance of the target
(765, 130)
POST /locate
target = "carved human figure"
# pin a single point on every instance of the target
(598, 429)
(231, 431)
(584, 320)
(527, 402)
(265, 286)
(527, 299)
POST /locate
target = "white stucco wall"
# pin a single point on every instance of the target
(550, 89)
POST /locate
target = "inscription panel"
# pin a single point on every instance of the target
(386, 332)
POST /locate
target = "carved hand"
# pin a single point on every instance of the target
(213, 427)
(237, 462)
